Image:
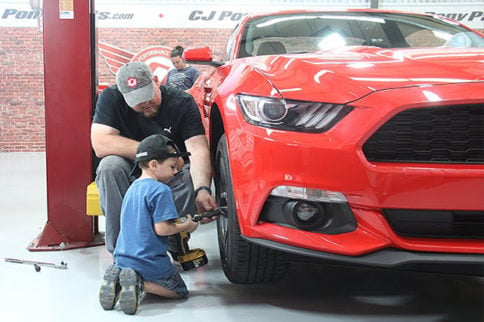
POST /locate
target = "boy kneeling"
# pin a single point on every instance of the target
(148, 217)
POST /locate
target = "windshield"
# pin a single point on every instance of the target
(306, 32)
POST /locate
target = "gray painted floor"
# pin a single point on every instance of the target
(308, 293)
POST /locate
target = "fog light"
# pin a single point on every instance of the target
(305, 212)
(305, 215)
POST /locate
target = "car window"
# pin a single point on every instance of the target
(307, 32)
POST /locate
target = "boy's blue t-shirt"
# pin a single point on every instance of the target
(146, 202)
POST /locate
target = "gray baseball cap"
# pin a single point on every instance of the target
(134, 81)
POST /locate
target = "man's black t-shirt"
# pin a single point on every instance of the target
(179, 117)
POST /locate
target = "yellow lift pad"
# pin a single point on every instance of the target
(92, 200)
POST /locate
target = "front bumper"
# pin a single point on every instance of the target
(466, 264)
(262, 159)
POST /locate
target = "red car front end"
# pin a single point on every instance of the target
(383, 165)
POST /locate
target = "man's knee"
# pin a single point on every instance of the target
(113, 165)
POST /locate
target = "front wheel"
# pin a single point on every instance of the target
(242, 262)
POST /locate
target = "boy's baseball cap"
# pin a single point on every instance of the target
(134, 81)
(156, 147)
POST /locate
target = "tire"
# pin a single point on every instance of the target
(242, 262)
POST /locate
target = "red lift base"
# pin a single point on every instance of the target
(63, 246)
(51, 240)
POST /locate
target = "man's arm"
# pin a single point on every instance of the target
(201, 171)
(106, 140)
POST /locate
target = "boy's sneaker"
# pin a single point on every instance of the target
(131, 290)
(108, 294)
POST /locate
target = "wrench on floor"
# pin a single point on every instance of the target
(36, 264)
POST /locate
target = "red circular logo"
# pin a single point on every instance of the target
(132, 82)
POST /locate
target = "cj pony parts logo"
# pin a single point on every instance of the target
(157, 57)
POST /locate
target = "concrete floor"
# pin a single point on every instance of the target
(307, 293)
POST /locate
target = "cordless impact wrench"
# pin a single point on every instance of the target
(190, 259)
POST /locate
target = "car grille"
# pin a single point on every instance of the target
(436, 223)
(447, 134)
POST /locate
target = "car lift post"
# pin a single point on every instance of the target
(69, 79)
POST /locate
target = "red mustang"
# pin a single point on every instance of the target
(352, 136)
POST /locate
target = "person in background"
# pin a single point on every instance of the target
(183, 76)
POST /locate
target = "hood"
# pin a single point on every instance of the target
(346, 74)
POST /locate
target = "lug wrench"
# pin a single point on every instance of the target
(208, 214)
(36, 264)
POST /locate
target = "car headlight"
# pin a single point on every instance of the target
(291, 115)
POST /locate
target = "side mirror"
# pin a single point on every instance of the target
(201, 55)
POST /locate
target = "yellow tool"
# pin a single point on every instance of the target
(190, 259)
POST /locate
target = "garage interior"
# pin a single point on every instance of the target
(308, 292)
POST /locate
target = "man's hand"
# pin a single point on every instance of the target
(205, 202)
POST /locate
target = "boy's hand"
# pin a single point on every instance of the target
(190, 225)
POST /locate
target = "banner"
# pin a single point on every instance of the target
(470, 14)
(137, 14)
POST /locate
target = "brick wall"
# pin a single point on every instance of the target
(21, 90)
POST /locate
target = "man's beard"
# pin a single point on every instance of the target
(151, 113)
